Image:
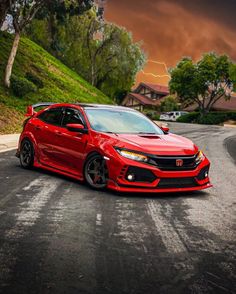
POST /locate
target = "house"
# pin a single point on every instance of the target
(220, 105)
(150, 96)
(146, 96)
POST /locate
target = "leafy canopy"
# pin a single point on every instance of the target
(204, 82)
(170, 103)
(103, 53)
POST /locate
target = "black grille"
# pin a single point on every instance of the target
(169, 162)
(141, 174)
(177, 183)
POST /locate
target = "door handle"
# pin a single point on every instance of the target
(38, 127)
(58, 133)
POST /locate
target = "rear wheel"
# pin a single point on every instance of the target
(96, 172)
(26, 154)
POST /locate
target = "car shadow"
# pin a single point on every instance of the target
(131, 195)
(165, 196)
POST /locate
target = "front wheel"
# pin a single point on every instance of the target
(26, 154)
(96, 172)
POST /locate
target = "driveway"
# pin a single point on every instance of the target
(59, 236)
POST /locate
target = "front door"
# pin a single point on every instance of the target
(72, 145)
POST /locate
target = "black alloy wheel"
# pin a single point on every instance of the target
(26, 154)
(96, 172)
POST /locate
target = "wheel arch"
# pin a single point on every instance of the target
(29, 136)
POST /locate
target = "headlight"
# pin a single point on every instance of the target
(200, 157)
(132, 155)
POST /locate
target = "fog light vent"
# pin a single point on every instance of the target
(204, 173)
(137, 174)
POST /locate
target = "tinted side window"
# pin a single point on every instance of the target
(52, 116)
(72, 116)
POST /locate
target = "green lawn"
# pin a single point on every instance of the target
(61, 84)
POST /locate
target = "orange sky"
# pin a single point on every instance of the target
(172, 29)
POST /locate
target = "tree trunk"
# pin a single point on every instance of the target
(93, 75)
(52, 27)
(203, 111)
(11, 60)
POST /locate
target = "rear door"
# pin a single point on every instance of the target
(47, 131)
(72, 145)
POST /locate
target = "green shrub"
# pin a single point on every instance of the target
(21, 86)
(189, 118)
(232, 115)
(212, 118)
(34, 79)
(169, 103)
(153, 115)
(156, 117)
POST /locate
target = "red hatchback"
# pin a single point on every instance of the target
(111, 146)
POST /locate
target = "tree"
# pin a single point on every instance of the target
(56, 13)
(170, 103)
(103, 53)
(23, 12)
(232, 73)
(204, 82)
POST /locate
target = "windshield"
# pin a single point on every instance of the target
(116, 121)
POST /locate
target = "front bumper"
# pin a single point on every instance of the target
(153, 180)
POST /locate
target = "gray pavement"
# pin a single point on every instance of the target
(58, 236)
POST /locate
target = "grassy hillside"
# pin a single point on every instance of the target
(60, 84)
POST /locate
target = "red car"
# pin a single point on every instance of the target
(111, 146)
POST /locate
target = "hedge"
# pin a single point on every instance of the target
(21, 86)
(212, 118)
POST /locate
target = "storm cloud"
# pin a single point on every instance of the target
(172, 29)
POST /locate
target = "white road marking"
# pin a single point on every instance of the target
(26, 218)
(31, 211)
(99, 219)
(130, 229)
(2, 212)
(165, 230)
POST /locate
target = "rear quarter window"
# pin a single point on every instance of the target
(51, 116)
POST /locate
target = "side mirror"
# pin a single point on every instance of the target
(79, 128)
(165, 129)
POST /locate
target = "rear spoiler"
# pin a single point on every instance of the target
(31, 108)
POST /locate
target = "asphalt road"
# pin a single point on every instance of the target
(58, 236)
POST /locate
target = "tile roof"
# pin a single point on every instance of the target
(156, 88)
(144, 100)
(221, 104)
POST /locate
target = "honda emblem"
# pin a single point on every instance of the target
(179, 162)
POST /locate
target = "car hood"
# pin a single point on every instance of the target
(157, 144)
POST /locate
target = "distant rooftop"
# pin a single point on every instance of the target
(156, 88)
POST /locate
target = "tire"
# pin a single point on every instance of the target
(96, 172)
(27, 154)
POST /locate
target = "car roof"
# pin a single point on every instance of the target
(104, 106)
(91, 106)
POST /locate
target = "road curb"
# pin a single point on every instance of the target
(229, 126)
(8, 142)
